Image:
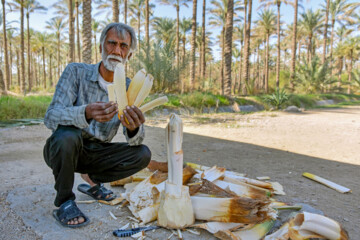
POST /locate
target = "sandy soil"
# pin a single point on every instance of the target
(280, 145)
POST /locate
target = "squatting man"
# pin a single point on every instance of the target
(83, 123)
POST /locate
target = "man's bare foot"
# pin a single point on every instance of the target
(76, 221)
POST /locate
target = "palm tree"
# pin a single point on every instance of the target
(248, 11)
(65, 8)
(19, 5)
(228, 46)
(7, 70)
(176, 4)
(266, 22)
(185, 27)
(30, 7)
(342, 32)
(136, 7)
(293, 51)
(77, 4)
(311, 24)
(239, 35)
(115, 10)
(164, 28)
(268, 3)
(203, 46)
(325, 30)
(351, 49)
(339, 12)
(95, 28)
(42, 41)
(58, 25)
(86, 32)
(193, 47)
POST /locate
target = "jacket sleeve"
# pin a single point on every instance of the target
(62, 110)
(138, 138)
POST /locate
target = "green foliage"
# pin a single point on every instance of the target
(23, 107)
(277, 99)
(313, 77)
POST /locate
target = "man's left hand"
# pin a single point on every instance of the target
(134, 117)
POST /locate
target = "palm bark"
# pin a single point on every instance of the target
(293, 53)
(241, 63)
(177, 38)
(228, 46)
(71, 33)
(247, 47)
(325, 30)
(78, 29)
(44, 71)
(115, 10)
(147, 21)
(278, 47)
(193, 47)
(2, 84)
(203, 65)
(222, 60)
(86, 32)
(50, 71)
(125, 11)
(22, 46)
(331, 43)
(7, 70)
(28, 51)
(350, 71)
(267, 63)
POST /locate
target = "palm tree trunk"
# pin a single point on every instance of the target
(58, 55)
(28, 52)
(350, 71)
(325, 31)
(228, 47)
(50, 71)
(341, 64)
(139, 24)
(293, 53)
(78, 28)
(125, 11)
(96, 52)
(147, 36)
(71, 33)
(18, 67)
(244, 92)
(258, 65)
(241, 63)
(44, 72)
(193, 47)
(310, 48)
(331, 44)
(247, 47)
(11, 64)
(86, 32)
(267, 64)
(115, 10)
(2, 83)
(177, 39)
(278, 47)
(22, 56)
(203, 66)
(7, 70)
(222, 60)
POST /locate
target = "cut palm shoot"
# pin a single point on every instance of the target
(153, 104)
(135, 86)
(144, 91)
(326, 182)
(175, 205)
(120, 88)
(309, 225)
(111, 93)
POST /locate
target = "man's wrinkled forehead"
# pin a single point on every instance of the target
(122, 34)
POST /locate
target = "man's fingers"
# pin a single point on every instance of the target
(139, 114)
(134, 116)
(130, 120)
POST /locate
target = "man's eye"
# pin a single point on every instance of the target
(124, 46)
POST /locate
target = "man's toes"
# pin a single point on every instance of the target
(81, 220)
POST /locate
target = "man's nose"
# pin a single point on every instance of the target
(118, 51)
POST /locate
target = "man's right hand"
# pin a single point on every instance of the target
(101, 111)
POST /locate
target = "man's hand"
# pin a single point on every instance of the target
(101, 111)
(134, 117)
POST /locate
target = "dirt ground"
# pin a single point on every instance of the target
(281, 145)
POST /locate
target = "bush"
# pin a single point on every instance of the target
(277, 99)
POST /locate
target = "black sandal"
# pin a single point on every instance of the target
(98, 192)
(67, 212)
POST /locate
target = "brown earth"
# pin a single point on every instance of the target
(281, 145)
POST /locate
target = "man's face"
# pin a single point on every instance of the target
(115, 49)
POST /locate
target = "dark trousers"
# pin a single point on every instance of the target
(66, 152)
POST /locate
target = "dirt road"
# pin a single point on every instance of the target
(280, 145)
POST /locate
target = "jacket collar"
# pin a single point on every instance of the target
(95, 74)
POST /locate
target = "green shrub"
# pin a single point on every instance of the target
(277, 99)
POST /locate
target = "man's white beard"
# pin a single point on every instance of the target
(110, 64)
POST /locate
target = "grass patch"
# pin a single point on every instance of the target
(23, 107)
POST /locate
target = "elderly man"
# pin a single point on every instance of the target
(84, 123)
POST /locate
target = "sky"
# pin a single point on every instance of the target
(38, 21)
